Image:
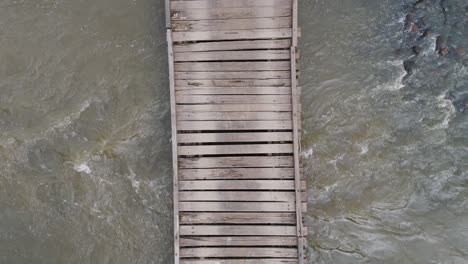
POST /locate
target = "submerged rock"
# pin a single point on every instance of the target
(409, 66)
(414, 28)
(441, 45)
(416, 50)
(460, 51)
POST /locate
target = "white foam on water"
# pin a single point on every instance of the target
(432, 49)
(308, 153)
(397, 83)
(68, 120)
(135, 183)
(445, 106)
(83, 167)
(364, 149)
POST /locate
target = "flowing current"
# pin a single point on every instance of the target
(85, 166)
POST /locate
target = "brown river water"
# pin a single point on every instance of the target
(85, 152)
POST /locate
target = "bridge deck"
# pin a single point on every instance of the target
(235, 131)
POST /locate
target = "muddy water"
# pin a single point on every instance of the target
(85, 169)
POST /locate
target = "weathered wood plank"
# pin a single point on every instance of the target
(241, 261)
(237, 206)
(232, 24)
(229, 13)
(250, 55)
(259, 44)
(234, 125)
(183, 91)
(232, 230)
(234, 83)
(233, 99)
(175, 162)
(236, 162)
(199, 241)
(232, 75)
(181, 5)
(229, 95)
(235, 108)
(235, 137)
(285, 185)
(229, 252)
(235, 149)
(236, 173)
(233, 66)
(238, 196)
(231, 116)
(279, 33)
(193, 218)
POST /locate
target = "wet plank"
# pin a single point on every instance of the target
(229, 13)
(236, 162)
(233, 45)
(280, 33)
(235, 137)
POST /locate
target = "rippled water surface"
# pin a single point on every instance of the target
(85, 169)
(385, 103)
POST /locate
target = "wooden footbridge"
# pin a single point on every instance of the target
(235, 131)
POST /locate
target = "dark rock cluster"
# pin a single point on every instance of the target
(433, 48)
